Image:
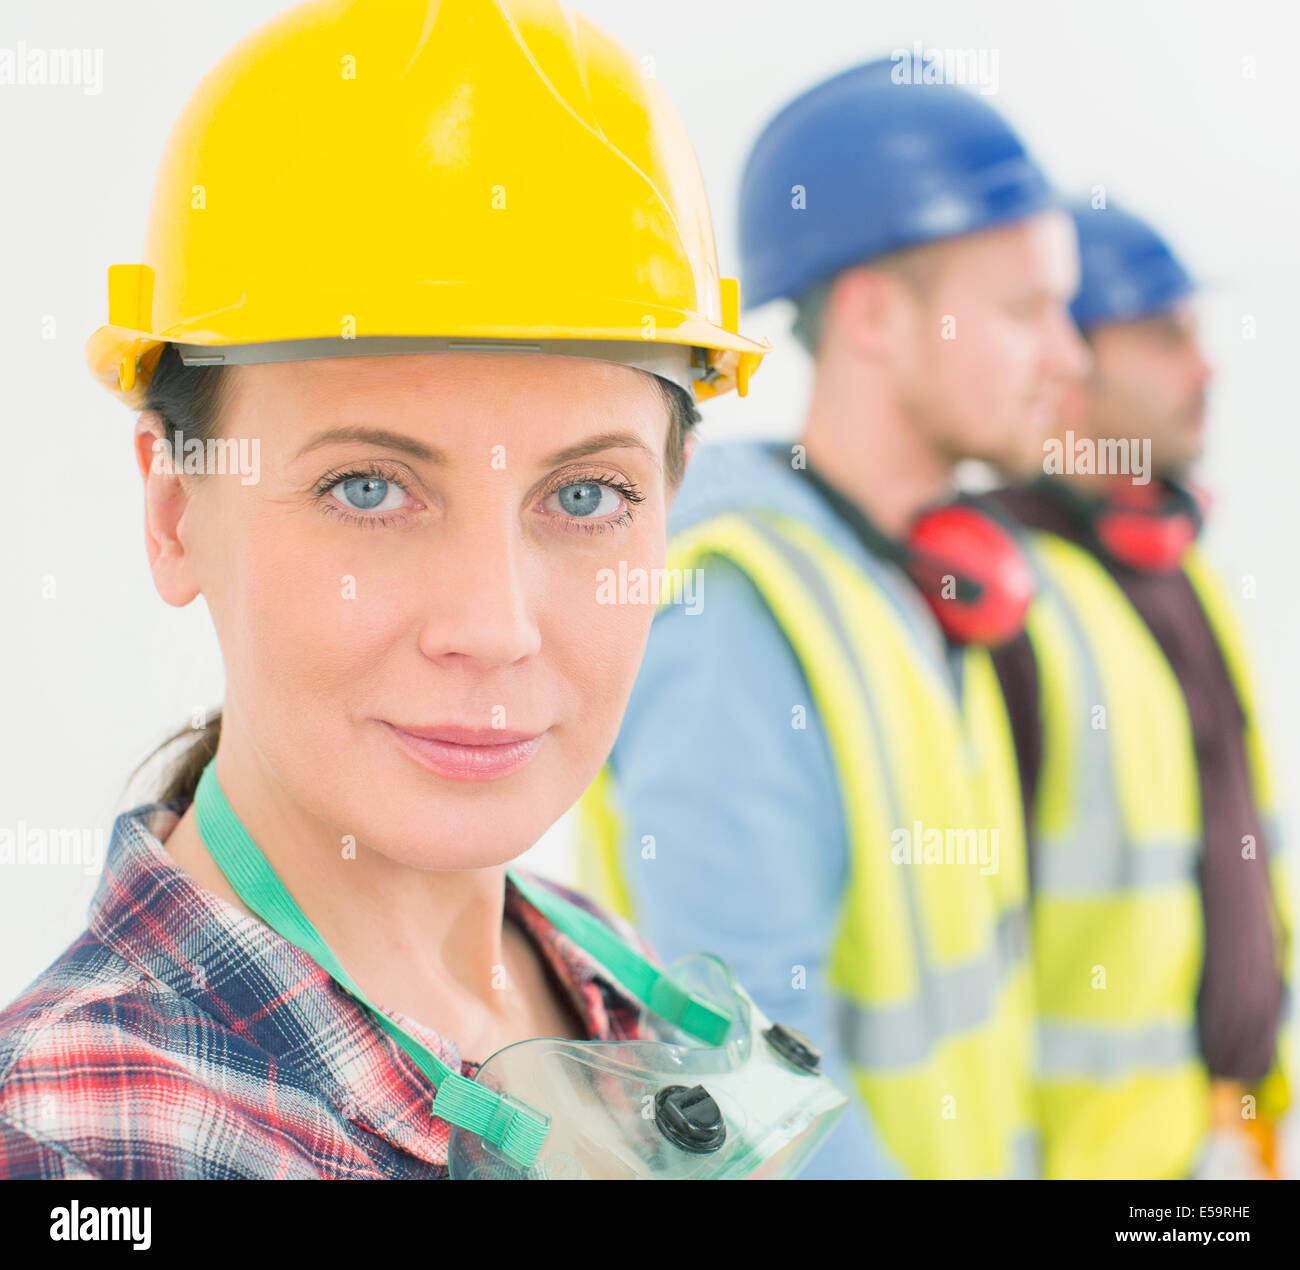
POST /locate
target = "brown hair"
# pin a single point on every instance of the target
(189, 399)
(916, 267)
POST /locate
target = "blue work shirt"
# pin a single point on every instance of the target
(750, 849)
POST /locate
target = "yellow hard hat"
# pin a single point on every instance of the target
(414, 174)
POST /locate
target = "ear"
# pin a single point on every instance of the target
(863, 310)
(166, 498)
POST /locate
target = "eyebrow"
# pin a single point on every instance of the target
(376, 436)
(602, 441)
(431, 454)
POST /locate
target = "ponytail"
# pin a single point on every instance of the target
(182, 774)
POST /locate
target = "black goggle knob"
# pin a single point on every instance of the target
(794, 1047)
(689, 1118)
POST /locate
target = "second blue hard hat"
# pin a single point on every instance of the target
(1126, 269)
(861, 165)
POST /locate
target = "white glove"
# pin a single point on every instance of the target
(1228, 1157)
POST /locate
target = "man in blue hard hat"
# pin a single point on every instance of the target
(815, 776)
(1159, 912)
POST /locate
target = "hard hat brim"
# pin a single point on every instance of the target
(123, 358)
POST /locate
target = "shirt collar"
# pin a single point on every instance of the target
(273, 995)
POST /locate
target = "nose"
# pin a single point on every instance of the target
(1201, 370)
(479, 614)
(1070, 353)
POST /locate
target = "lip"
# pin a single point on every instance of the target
(466, 754)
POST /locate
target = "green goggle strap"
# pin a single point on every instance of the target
(512, 1127)
(647, 983)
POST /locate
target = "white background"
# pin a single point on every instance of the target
(1154, 100)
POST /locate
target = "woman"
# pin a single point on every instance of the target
(416, 347)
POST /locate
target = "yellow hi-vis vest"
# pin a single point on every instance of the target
(1118, 929)
(928, 960)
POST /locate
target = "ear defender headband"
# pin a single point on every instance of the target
(1146, 528)
(965, 559)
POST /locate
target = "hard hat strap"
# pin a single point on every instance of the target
(680, 364)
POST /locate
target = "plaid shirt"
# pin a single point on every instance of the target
(180, 1038)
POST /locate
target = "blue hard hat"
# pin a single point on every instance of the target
(882, 165)
(1126, 270)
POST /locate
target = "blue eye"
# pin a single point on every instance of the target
(367, 493)
(364, 491)
(587, 498)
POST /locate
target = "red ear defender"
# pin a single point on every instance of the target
(972, 573)
(1148, 527)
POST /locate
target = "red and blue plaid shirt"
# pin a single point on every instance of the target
(181, 1038)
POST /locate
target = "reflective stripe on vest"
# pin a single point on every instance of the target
(1118, 925)
(928, 959)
